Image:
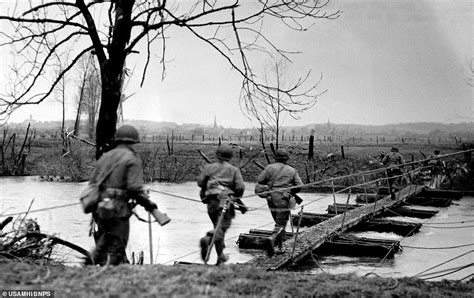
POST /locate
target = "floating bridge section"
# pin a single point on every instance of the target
(313, 237)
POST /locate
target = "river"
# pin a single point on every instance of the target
(178, 241)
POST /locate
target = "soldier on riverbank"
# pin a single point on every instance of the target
(221, 183)
(280, 175)
(121, 173)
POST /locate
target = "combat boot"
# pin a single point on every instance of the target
(204, 243)
(222, 259)
(269, 247)
(279, 250)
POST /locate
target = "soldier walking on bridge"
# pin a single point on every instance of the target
(392, 161)
(436, 168)
(221, 184)
(280, 175)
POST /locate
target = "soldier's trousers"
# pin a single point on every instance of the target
(280, 217)
(214, 210)
(394, 179)
(111, 240)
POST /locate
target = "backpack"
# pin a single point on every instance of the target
(90, 194)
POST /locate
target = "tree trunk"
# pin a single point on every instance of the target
(111, 74)
(91, 126)
(63, 99)
(79, 107)
(78, 119)
(110, 99)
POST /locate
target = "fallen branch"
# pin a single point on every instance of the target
(70, 135)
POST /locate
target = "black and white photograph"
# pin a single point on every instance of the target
(236, 148)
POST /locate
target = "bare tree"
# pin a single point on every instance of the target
(115, 29)
(60, 94)
(61, 97)
(271, 103)
(86, 67)
(93, 103)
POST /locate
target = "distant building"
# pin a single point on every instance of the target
(30, 120)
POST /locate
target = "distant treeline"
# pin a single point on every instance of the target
(423, 132)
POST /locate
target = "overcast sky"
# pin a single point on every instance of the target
(382, 62)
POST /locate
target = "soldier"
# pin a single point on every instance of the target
(436, 167)
(280, 175)
(121, 189)
(392, 161)
(220, 183)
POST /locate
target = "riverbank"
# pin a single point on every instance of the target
(184, 162)
(225, 281)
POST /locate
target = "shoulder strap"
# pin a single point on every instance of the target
(107, 174)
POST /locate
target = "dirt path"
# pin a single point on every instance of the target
(199, 281)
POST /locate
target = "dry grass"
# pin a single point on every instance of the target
(199, 281)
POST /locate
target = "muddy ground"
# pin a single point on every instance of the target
(225, 281)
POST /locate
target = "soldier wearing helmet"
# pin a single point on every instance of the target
(392, 161)
(219, 182)
(280, 175)
(121, 189)
(436, 168)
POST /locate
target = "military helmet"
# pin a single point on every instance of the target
(394, 149)
(224, 152)
(127, 134)
(436, 151)
(281, 155)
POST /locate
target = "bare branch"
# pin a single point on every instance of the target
(45, 20)
(9, 105)
(46, 5)
(234, 30)
(92, 30)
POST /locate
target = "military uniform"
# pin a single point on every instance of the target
(119, 193)
(392, 161)
(436, 168)
(279, 175)
(217, 181)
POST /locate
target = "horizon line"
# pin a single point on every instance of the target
(210, 125)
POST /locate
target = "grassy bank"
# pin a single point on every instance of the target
(226, 281)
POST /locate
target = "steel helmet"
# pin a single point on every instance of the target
(127, 134)
(224, 152)
(281, 155)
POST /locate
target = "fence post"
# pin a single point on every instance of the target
(334, 197)
(365, 189)
(345, 211)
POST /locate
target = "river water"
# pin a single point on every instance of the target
(178, 241)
